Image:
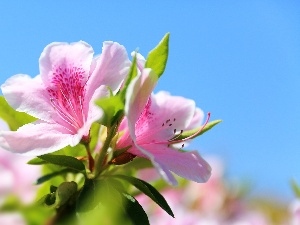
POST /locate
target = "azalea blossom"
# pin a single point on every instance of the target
(17, 177)
(294, 210)
(12, 218)
(62, 96)
(151, 121)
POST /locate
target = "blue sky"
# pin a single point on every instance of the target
(240, 60)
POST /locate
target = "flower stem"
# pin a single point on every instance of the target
(100, 159)
(91, 161)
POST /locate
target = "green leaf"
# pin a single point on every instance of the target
(88, 198)
(37, 161)
(134, 210)
(157, 57)
(13, 118)
(189, 133)
(131, 75)
(295, 188)
(102, 200)
(148, 190)
(65, 161)
(112, 107)
(51, 175)
(76, 151)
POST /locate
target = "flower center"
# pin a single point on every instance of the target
(67, 93)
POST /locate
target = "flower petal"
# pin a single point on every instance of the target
(111, 68)
(138, 93)
(59, 55)
(197, 119)
(163, 118)
(37, 139)
(189, 165)
(94, 112)
(140, 60)
(26, 94)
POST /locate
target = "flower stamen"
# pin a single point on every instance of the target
(172, 141)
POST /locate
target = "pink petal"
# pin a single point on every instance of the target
(164, 117)
(197, 119)
(60, 55)
(26, 94)
(140, 60)
(137, 95)
(110, 68)
(189, 165)
(37, 139)
(94, 112)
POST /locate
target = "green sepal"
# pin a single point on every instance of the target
(131, 75)
(13, 118)
(64, 161)
(157, 57)
(296, 188)
(190, 133)
(148, 190)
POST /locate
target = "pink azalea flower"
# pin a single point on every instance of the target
(294, 210)
(12, 218)
(17, 177)
(62, 96)
(152, 121)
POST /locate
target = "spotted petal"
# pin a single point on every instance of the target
(59, 59)
(163, 117)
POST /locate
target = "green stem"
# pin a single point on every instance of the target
(111, 132)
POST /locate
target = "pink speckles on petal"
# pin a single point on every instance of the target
(67, 93)
(62, 96)
(146, 117)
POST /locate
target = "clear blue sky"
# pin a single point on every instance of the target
(240, 60)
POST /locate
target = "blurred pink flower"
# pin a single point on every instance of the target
(62, 96)
(150, 124)
(295, 212)
(212, 203)
(17, 177)
(11, 219)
